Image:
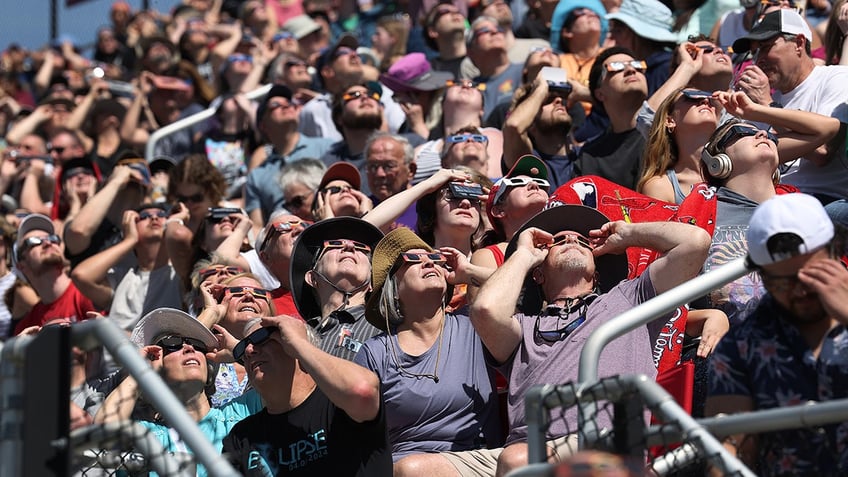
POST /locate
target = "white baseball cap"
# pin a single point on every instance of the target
(801, 215)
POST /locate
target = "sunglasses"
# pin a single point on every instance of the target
(205, 273)
(561, 92)
(343, 51)
(172, 344)
(616, 66)
(419, 257)
(442, 11)
(707, 49)
(487, 31)
(552, 336)
(451, 199)
(191, 199)
(144, 215)
(280, 104)
(387, 167)
(738, 131)
(348, 97)
(293, 63)
(282, 228)
(77, 171)
(342, 244)
(33, 242)
(283, 35)
(466, 84)
(217, 219)
(696, 95)
(571, 237)
(333, 190)
(466, 138)
(256, 338)
(58, 149)
(254, 292)
(523, 181)
(238, 57)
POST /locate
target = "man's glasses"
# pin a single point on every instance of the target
(419, 257)
(145, 214)
(552, 336)
(707, 49)
(256, 338)
(738, 131)
(239, 57)
(206, 273)
(466, 84)
(616, 66)
(33, 242)
(252, 291)
(191, 199)
(487, 31)
(333, 190)
(348, 97)
(779, 283)
(579, 12)
(560, 93)
(442, 11)
(280, 104)
(172, 344)
(466, 138)
(296, 202)
(387, 166)
(281, 228)
(343, 51)
(570, 237)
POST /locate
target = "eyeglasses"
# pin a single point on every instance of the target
(615, 66)
(387, 166)
(348, 97)
(296, 202)
(763, 48)
(467, 137)
(33, 242)
(571, 237)
(448, 197)
(333, 190)
(738, 131)
(342, 244)
(252, 291)
(466, 84)
(523, 181)
(239, 57)
(552, 336)
(343, 51)
(293, 63)
(172, 344)
(144, 215)
(419, 257)
(58, 149)
(442, 11)
(191, 199)
(205, 273)
(256, 338)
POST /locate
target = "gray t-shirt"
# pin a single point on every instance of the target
(457, 413)
(537, 361)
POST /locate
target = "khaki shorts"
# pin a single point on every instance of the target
(484, 462)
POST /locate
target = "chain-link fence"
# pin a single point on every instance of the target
(148, 430)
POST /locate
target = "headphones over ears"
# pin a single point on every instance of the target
(719, 166)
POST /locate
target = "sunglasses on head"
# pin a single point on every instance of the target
(146, 214)
(466, 84)
(256, 338)
(192, 199)
(33, 242)
(348, 97)
(571, 237)
(205, 273)
(419, 257)
(172, 344)
(616, 66)
(738, 131)
(467, 137)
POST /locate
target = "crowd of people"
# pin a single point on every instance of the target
(363, 271)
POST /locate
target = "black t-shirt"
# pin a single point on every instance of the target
(614, 156)
(316, 438)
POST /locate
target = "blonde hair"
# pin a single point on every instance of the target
(660, 153)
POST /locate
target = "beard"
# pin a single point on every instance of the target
(368, 120)
(553, 126)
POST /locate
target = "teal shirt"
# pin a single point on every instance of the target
(215, 425)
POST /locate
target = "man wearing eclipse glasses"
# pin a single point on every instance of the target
(38, 252)
(330, 277)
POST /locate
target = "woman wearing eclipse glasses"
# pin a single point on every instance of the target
(438, 393)
(176, 346)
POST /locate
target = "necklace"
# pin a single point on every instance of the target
(435, 374)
